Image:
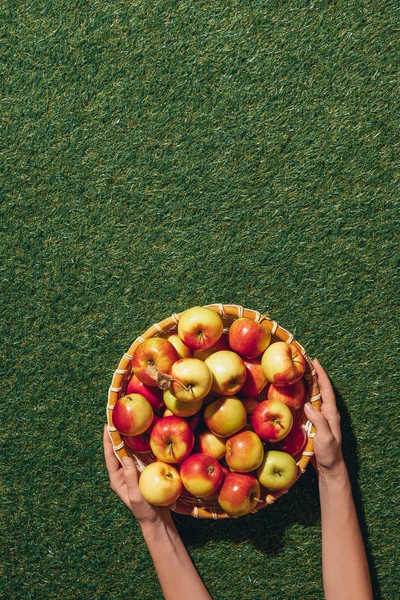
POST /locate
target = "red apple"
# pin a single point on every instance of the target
(200, 327)
(201, 474)
(293, 395)
(283, 363)
(192, 379)
(221, 344)
(295, 440)
(225, 416)
(250, 405)
(160, 484)
(210, 444)
(132, 414)
(272, 420)
(239, 494)
(182, 350)
(154, 353)
(228, 371)
(172, 439)
(255, 378)
(153, 394)
(249, 338)
(194, 421)
(278, 470)
(141, 443)
(244, 452)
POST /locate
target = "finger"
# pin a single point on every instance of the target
(112, 462)
(131, 478)
(316, 417)
(325, 386)
(329, 407)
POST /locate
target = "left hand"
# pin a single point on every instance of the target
(124, 482)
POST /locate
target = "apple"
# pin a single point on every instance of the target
(154, 354)
(225, 416)
(172, 439)
(179, 408)
(239, 494)
(249, 338)
(228, 371)
(194, 421)
(255, 378)
(293, 395)
(182, 350)
(221, 344)
(200, 327)
(191, 379)
(132, 414)
(250, 405)
(283, 363)
(201, 474)
(295, 440)
(141, 443)
(153, 394)
(278, 470)
(210, 444)
(272, 420)
(160, 484)
(244, 452)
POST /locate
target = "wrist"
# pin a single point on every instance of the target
(334, 478)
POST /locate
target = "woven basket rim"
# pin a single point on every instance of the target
(186, 503)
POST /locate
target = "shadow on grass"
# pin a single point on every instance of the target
(300, 506)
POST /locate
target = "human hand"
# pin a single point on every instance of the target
(124, 482)
(328, 437)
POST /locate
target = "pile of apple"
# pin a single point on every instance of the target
(193, 401)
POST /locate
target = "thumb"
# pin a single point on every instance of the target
(131, 474)
(317, 419)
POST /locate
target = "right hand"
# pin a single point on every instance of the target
(328, 437)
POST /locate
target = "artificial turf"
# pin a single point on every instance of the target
(158, 155)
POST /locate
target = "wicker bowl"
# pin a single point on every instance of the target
(186, 503)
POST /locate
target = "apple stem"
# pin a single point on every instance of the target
(170, 449)
(163, 380)
(258, 499)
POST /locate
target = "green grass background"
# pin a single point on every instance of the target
(157, 155)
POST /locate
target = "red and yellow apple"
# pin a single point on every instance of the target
(182, 350)
(153, 394)
(201, 474)
(295, 440)
(221, 344)
(132, 414)
(154, 353)
(283, 363)
(249, 338)
(225, 416)
(179, 408)
(293, 395)
(211, 444)
(141, 443)
(172, 439)
(255, 378)
(244, 452)
(160, 484)
(272, 420)
(191, 379)
(239, 494)
(228, 372)
(200, 327)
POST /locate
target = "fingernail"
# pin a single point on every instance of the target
(308, 407)
(126, 462)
